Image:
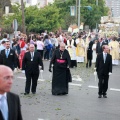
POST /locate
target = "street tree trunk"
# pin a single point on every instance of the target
(23, 18)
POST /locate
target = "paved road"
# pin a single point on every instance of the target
(82, 102)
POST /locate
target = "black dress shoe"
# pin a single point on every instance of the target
(104, 96)
(33, 92)
(26, 93)
(100, 96)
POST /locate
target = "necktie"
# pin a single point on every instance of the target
(7, 53)
(105, 55)
(32, 55)
(4, 107)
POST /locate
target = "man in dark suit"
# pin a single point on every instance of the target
(103, 69)
(9, 102)
(31, 62)
(99, 46)
(9, 56)
(1, 60)
(89, 52)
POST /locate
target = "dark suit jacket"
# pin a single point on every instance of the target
(101, 67)
(1, 59)
(32, 66)
(13, 107)
(11, 60)
(89, 50)
(99, 48)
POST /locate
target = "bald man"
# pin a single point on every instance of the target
(31, 62)
(61, 62)
(10, 101)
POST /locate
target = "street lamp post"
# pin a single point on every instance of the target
(97, 2)
(23, 18)
(79, 13)
(96, 23)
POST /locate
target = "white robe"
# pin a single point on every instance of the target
(94, 53)
(71, 49)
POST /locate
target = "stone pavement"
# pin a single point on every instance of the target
(82, 102)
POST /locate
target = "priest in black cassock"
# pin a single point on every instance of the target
(61, 62)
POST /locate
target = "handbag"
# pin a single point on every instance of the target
(49, 46)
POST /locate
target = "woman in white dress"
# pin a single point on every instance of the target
(94, 51)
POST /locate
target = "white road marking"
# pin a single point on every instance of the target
(75, 84)
(90, 86)
(41, 80)
(25, 78)
(40, 119)
(76, 78)
(112, 89)
(21, 77)
(115, 89)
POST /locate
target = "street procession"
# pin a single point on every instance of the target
(55, 66)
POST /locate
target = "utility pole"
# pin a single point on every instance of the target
(96, 23)
(79, 13)
(97, 2)
(23, 18)
(76, 8)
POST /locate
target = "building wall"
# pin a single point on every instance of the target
(41, 3)
(114, 5)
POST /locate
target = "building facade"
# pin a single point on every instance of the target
(114, 5)
(39, 3)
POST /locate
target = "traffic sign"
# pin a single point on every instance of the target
(15, 25)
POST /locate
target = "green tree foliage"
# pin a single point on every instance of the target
(56, 15)
(37, 20)
(91, 17)
(64, 6)
(47, 18)
(4, 3)
(88, 17)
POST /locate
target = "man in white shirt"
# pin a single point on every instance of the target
(104, 70)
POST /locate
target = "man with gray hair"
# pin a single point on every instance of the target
(61, 63)
(31, 62)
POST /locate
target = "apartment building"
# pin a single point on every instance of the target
(114, 5)
(40, 3)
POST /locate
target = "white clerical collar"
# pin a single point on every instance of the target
(5, 95)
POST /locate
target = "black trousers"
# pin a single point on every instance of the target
(41, 53)
(46, 54)
(30, 77)
(18, 63)
(103, 84)
(89, 62)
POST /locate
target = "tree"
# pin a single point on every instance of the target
(4, 3)
(64, 6)
(88, 17)
(46, 18)
(91, 17)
